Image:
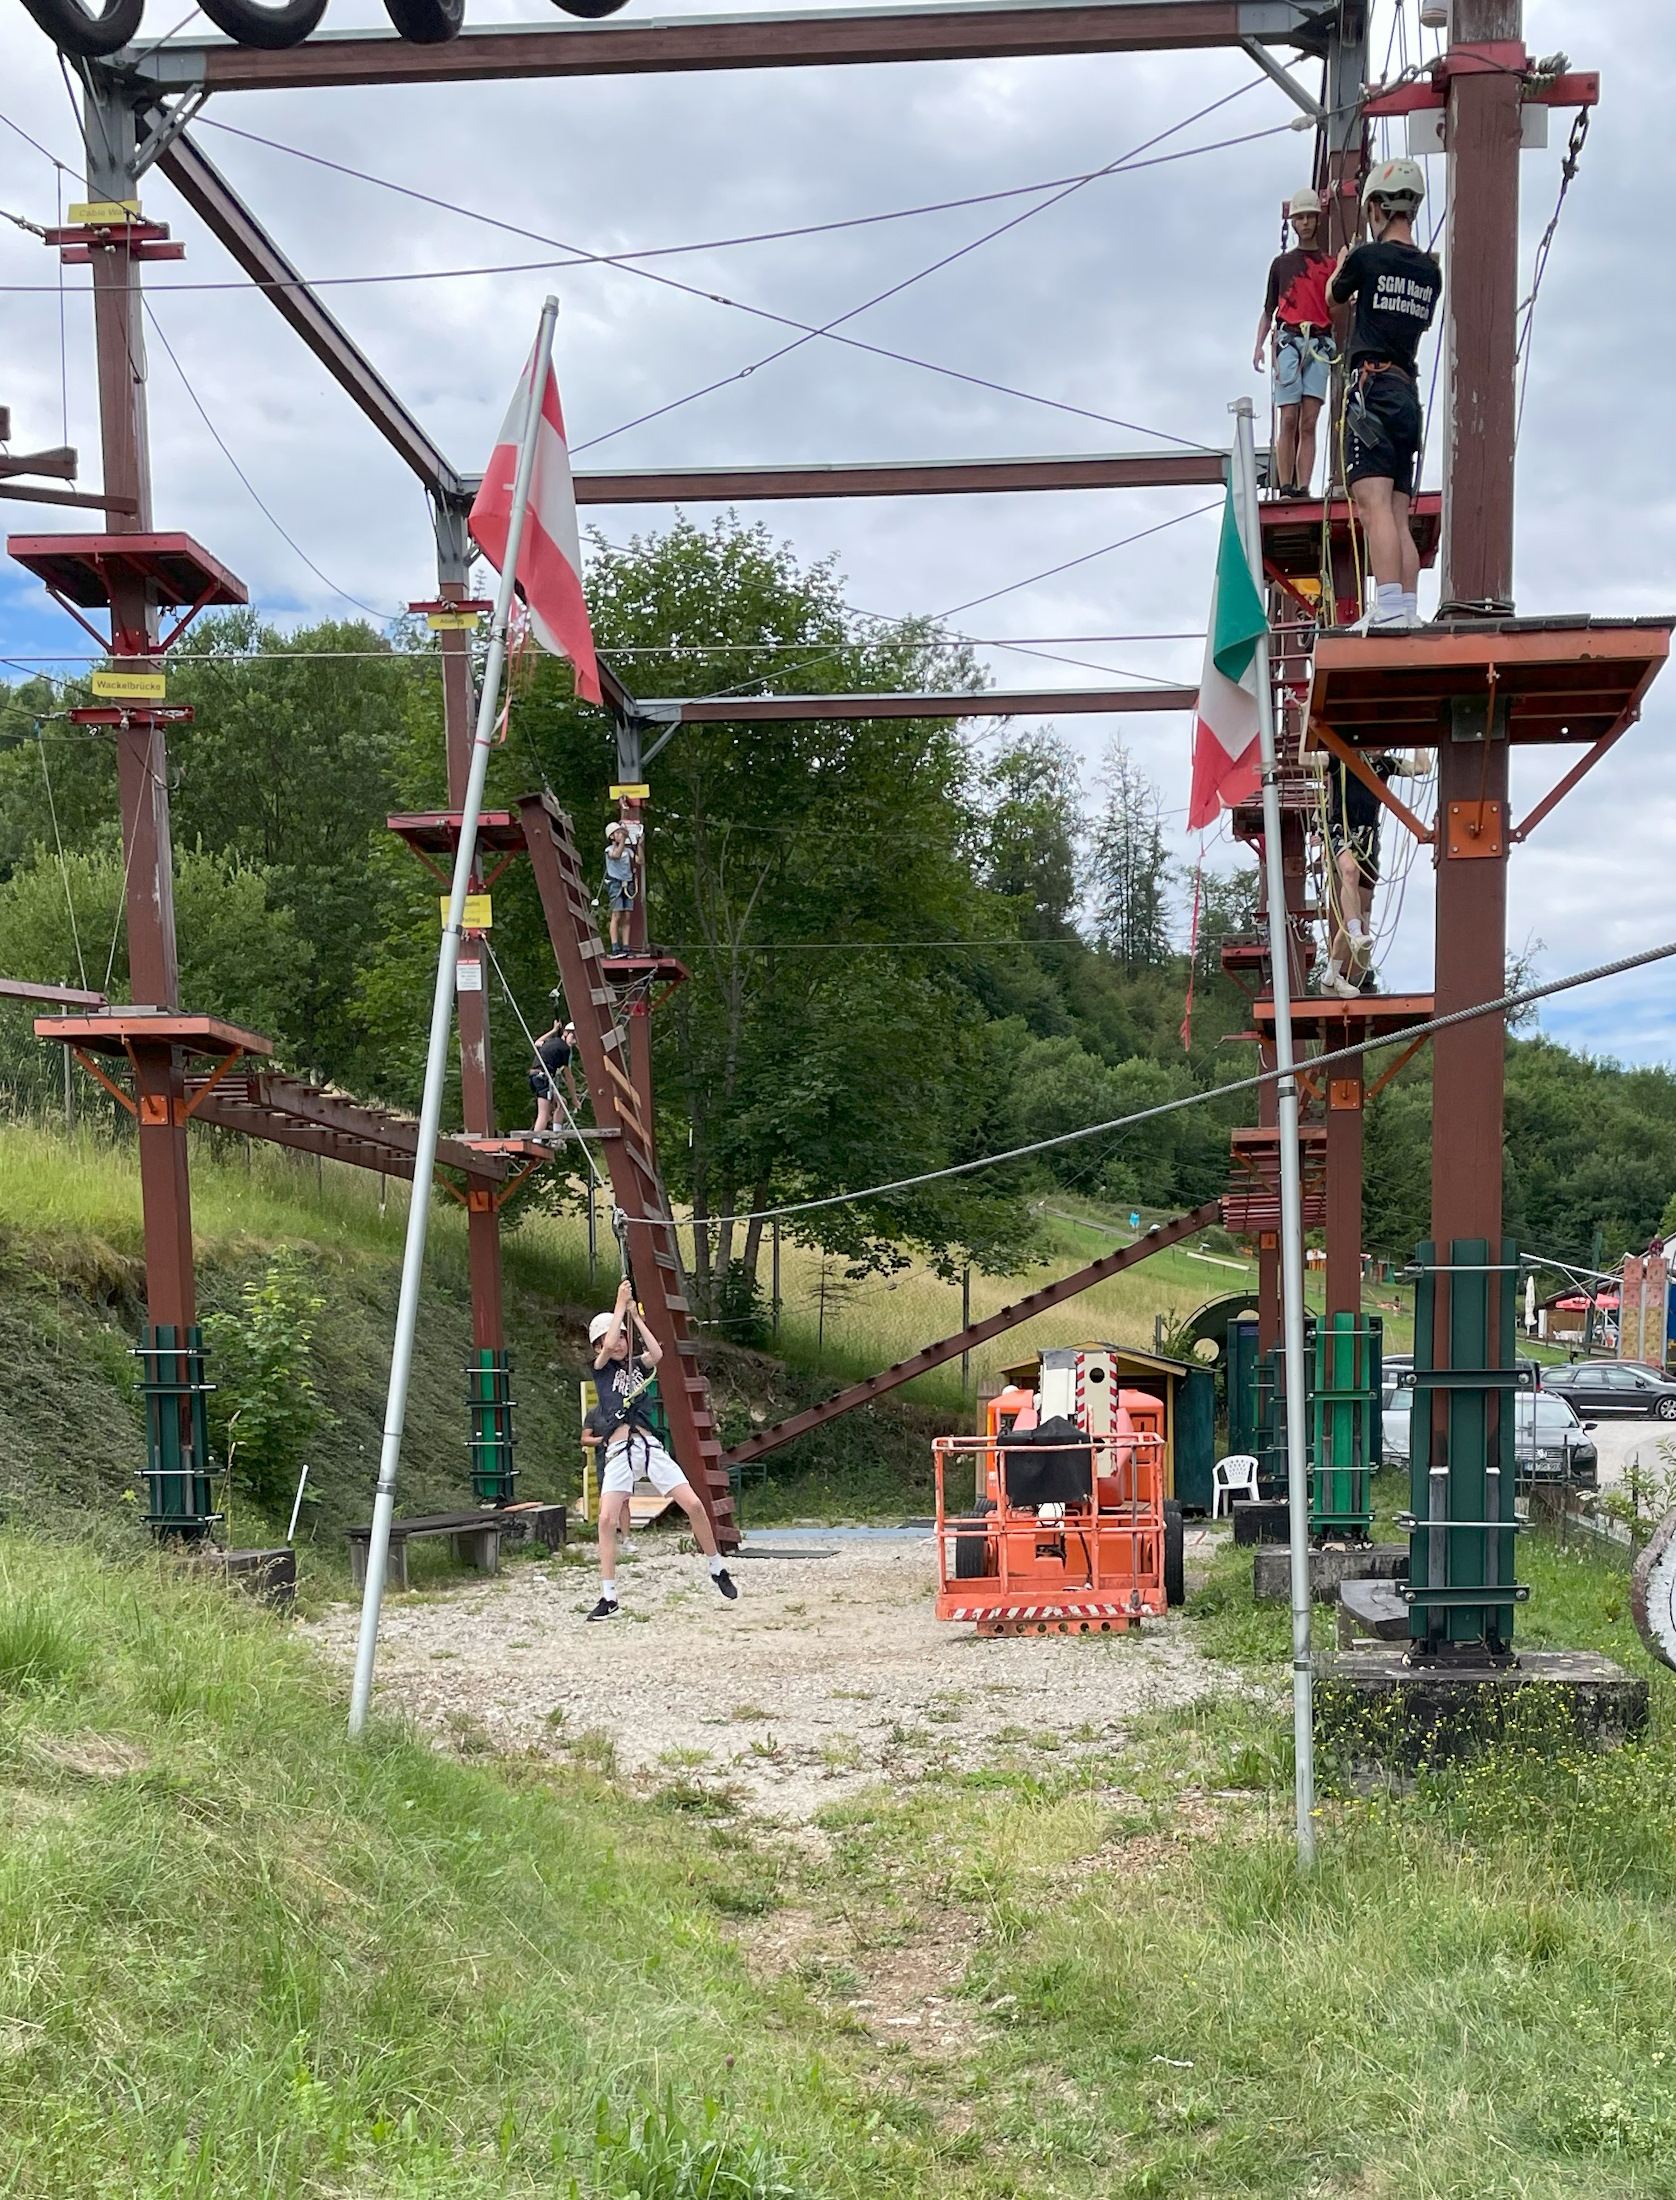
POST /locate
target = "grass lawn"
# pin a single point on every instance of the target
(242, 1957)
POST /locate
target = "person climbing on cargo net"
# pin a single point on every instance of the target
(1352, 868)
(621, 1427)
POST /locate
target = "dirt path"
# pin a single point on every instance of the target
(826, 1674)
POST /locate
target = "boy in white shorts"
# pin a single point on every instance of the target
(621, 1424)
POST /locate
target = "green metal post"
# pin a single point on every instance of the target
(494, 1478)
(1461, 1568)
(1345, 1424)
(176, 1431)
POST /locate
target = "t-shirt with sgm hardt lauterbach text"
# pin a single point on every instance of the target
(1396, 288)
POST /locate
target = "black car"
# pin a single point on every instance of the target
(1601, 1387)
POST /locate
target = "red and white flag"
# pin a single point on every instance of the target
(550, 549)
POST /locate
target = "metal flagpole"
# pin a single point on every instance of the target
(436, 1061)
(1291, 1199)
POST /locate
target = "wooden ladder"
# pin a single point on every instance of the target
(627, 1143)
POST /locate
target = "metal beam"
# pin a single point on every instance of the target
(964, 30)
(941, 477)
(1160, 1236)
(88, 500)
(221, 210)
(745, 710)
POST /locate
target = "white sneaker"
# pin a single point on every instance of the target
(1334, 981)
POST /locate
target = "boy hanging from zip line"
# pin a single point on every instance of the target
(622, 1424)
(1396, 287)
(1295, 309)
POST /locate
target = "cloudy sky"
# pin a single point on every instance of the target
(1120, 313)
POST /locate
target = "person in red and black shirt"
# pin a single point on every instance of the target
(1296, 312)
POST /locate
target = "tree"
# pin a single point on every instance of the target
(817, 1047)
(1129, 868)
(1031, 823)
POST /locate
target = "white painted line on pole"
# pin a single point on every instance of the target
(436, 1062)
(1291, 1195)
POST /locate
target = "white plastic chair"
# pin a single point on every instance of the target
(1236, 1473)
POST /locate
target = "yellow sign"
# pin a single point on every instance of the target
(104, 213)
(451, 622)
(480, 912)
(632, 793)
(130, 687)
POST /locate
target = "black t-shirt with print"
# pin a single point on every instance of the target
(1297, 292)
(612, 1381)
(1396, 288)
(553, 1051)
(1350, 803)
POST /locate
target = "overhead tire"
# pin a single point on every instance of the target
(427, 22)
(1175, 1555)
(89, 33)
(255, 23)
(590, 10)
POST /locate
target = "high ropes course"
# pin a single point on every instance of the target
(1465, 690)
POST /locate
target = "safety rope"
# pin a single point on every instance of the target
(1521, 350)
(63, 866)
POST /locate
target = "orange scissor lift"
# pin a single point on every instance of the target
(1059, 1538)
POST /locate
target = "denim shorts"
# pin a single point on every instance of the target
(1303, 367)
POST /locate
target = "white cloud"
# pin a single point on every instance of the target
(1135, 298)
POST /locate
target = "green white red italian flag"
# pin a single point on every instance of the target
(1226, 764)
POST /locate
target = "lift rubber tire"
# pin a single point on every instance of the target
(590, 10)
(427, 22)
(1175, 1564)
(256, 23)
(89, 33)
(974, 1555)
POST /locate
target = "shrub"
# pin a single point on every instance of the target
(264, 1407)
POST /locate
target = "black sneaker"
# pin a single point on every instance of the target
(725, 1582)
(606, 1608)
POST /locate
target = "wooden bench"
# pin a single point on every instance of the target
(1370, 1610)
(476, 1537)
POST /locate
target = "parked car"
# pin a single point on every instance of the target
(1550, 1443)
(1602, 1387)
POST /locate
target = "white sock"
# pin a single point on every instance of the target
(1411, 606)
(716, 1566)
(1357, 929)
(1333, 969)
(608, 1590)
(1388, 609)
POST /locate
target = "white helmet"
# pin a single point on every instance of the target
(1395, 182)
(1306, 201)
(598, 1326)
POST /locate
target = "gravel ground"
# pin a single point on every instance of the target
(827, 1674)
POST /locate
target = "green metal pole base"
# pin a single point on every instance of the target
(494, 1478)
(176, 1431)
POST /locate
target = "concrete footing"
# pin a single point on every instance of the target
(269, 1574)
(1374, 1709)
(1329, 1564)
(1261, 1520)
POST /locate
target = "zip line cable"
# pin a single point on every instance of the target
(558, 1098)
(249, 485)
(1215, 1092)
(807, 332)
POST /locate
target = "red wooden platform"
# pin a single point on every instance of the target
(117, 1030)
(1338, 1023)
(1555, 679)
(174, 569)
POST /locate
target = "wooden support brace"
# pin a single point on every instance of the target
(111, 1086)
(208, 1086)
(1371, 780)
(1556, 795)
(1402, 1061)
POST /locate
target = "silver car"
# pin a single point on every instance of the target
(1550, 1443)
